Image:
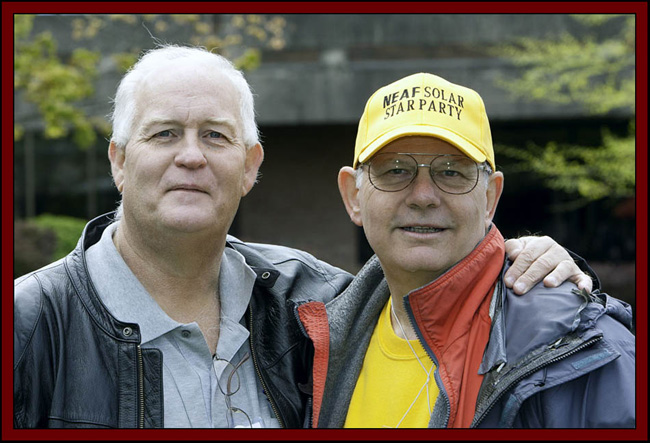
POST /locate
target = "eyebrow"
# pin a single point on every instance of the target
(170, 121)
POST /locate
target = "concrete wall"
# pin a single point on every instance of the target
(333, 63)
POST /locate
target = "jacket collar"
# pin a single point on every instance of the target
(445, 308)
(453, 325)
(267, 274)
(77, 269)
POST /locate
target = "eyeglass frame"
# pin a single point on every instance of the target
(479, 167)
(230, 419)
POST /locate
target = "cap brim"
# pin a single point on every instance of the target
(459, 142)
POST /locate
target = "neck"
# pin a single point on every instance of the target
(181, 275)
(400, 284)
(172, 256)
(400, 320)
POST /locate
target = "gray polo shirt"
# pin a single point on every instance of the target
(191, 375)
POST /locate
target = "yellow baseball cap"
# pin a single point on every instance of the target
(425, 104)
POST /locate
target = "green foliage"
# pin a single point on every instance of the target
(56, 86)
(67, 231)
(240, 38)
(41, 240)
(595, 71)
(585, 173)
(33, 247)
(44, 239)
(249, 60)
(124, 60)
(23, 24)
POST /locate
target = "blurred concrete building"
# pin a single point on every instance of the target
(310, 96)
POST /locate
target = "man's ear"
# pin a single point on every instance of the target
(254, 158)
(350, 194)
(117, 157)
(493, 193)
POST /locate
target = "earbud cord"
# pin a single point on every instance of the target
(426, 383)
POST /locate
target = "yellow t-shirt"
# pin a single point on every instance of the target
(390, 380)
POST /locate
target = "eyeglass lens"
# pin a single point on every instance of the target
(454, 174)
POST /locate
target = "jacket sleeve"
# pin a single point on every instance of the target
(603, 398)
(27, 397)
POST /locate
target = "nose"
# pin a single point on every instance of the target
(190, 154)
(423, 192)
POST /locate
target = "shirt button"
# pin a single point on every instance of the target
(186, 333)
(127, 331)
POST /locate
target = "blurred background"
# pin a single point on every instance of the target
(559, 90)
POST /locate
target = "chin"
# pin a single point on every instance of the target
(426, 268)
(189, 222)
(422, 263)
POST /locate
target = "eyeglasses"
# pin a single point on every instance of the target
(453, 174)
(229, 384)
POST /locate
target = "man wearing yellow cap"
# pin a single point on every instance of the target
(428, 334)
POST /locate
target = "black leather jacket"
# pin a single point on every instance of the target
(76, 366)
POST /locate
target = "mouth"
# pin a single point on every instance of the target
(189, 188)
(422, 229)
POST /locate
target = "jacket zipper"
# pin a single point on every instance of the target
(310, 400)
(436, 375)
(586, 344)
(140, 387)
(310, 412)
(259, 373)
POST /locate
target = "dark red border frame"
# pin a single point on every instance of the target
(638, 8)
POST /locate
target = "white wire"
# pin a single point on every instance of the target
(428, 374)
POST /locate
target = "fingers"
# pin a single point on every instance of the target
(567, 270)
(529, 264)
(541, 258)
(540, 269)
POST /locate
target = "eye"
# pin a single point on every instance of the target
(164, 134)
(449, 173)
(397, 171)
(215, 134)
(454, 170)
(391, 167)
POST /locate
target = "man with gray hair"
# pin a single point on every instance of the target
(428, 334)
(158, 318)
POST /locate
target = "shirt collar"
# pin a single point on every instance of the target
(128, 301)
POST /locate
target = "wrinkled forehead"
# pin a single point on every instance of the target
(186, 92)
(200, 77)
